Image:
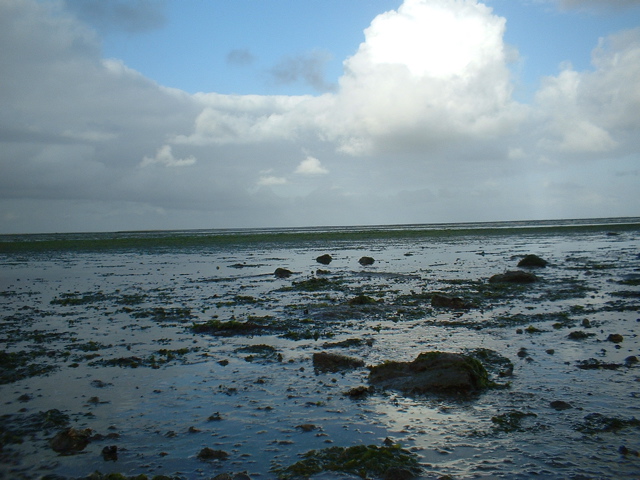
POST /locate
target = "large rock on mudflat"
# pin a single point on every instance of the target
(532, 261)
(514, 276)
(432, 372)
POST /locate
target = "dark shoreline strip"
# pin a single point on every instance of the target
(154, 241)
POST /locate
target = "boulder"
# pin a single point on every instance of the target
(364, 261)
(432, 372)
(324, 259)
(514, 276)
(532, 261)
(456, 303)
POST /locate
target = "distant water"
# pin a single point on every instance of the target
(327, 231)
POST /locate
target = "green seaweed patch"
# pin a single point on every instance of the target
(595, 364)
(19, 365)
(260, 352)
(512, 421)
(349, 342)
(598, 423)
(162, 314)
(77, 298)
(362, 300)
(14, 428)
(156, 360)
(252, 326)
(389, 461)
(493, 362)
(121, 476)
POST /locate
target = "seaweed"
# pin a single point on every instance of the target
(599, 423)
(362, 460)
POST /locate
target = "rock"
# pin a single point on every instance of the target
(579, 335)
(364, 261)
(532, 261)
(282, 273)
(210, 454)
(514, 276)
(560, 405)
(398, 473)
(455, 303)
(70, 441)
(333, 362)
(432, 372)
(615, 338)
(324, 259)
(110, 453)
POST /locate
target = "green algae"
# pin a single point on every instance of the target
(364, 461)
(19, 365)
(512, 421)
(599, 423)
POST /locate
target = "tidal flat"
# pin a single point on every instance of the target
(186, 356)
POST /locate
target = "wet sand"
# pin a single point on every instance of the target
(107, 339)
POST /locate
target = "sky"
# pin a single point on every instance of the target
(186, 114)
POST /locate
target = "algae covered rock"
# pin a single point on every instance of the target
(432, 372)
(70, 441)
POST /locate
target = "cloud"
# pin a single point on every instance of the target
(307, 68)
(422, 127)
(597, 5)
(311, 166)
(240, 57)
(594, 111)
(270, 180)
(164, 156)
(130, 16)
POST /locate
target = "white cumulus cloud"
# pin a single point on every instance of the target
(164, 156)
(311, 166)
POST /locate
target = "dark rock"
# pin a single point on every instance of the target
(110, 453)
(631, 360)
(282, 273)
(70, 441)
(398, 473)
(560, 405)
(615, 338)
(332, 362)
(455, 303)
(432, 372)
(324, 259)
(514, 276)
(532, 261)
(364, 261)
(210, 454)
(579, 335)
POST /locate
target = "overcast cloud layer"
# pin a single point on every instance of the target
(422, 127)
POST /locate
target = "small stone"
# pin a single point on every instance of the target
(110, 453)
(364, 261)
(324, 259)
(615, 338)
(560, 405)
(70, 441)
(307, 427)
(210, 454)
(282, 273)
